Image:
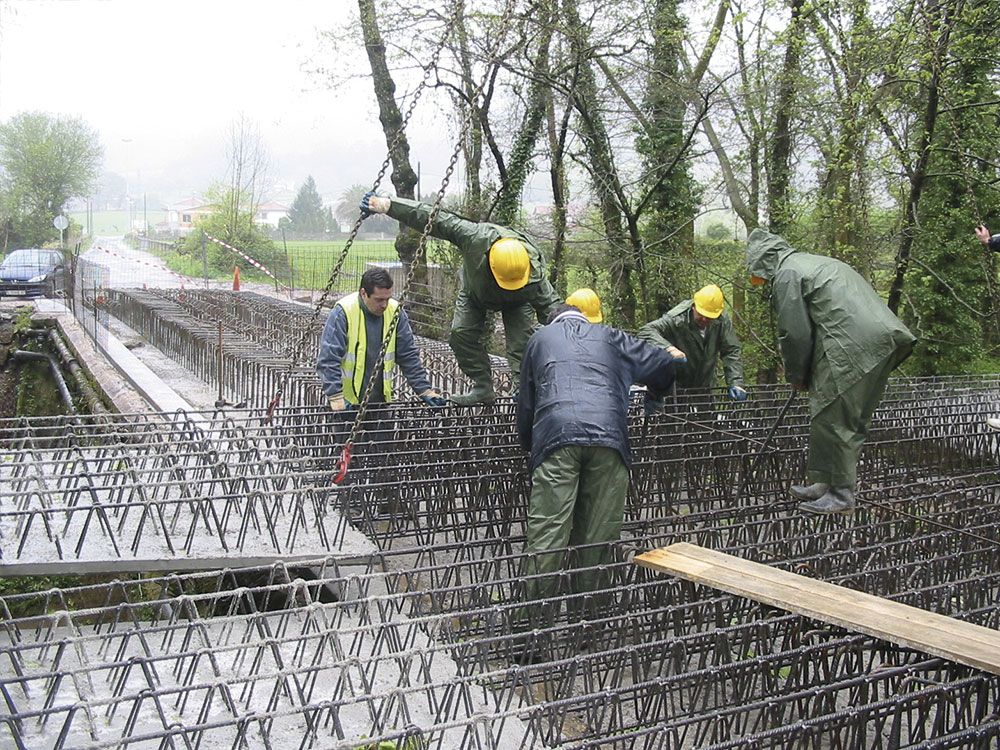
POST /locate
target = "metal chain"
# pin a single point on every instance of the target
(422, 243)
(297, 351)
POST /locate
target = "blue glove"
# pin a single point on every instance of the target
(366, 210)
(373, 204)
(737, 393)
(433, 398)
(676, 354)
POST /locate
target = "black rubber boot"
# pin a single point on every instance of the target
(809, 491)
(480, 394)
(837, 500)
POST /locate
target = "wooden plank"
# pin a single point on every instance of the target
(901, 624)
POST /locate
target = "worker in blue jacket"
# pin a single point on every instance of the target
(571, 417)
(352, 339)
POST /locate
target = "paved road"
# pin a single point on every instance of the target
(132, 268)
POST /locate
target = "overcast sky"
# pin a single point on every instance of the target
(162, 81)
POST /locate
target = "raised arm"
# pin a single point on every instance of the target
(462, 233)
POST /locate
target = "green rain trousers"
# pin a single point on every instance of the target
(577, 497)
(837, 429)
(469, 336)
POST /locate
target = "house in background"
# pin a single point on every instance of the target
(270, 213)
(182, 215)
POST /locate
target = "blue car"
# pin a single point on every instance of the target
(32, 273)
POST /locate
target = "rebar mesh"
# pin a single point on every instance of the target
(426, 640)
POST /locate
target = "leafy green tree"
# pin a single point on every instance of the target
(306, 214)
(947, 299)
(239, 231)
(45, 160)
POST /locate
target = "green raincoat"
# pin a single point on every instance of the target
(479, 292)
(677, 328)
(838, 338)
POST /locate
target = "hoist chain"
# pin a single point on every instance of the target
(420, 253)
(304, 339)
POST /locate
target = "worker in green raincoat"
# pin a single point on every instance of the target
(839, 341)
(699, 330)
(502, 271)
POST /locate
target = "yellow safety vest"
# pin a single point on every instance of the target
(352, 375)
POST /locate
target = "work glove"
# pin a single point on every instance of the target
(737, 393)
(433, 398)
(337, 402)
(653, 406)
(373, 204)
(676, 354)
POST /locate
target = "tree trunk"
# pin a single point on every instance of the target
(472, 147)
(780, 169)
(557, 175)
(519, 161)
(602, 169)
(404, 179)
(918, 174)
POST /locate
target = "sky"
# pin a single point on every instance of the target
(161, 82)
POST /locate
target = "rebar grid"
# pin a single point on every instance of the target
(151, 494)
(257, 332)
(225, 485)
(429, 638)
(430, 643)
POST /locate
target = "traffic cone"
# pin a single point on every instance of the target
(236, 278)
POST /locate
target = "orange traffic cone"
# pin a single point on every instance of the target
(236, 278)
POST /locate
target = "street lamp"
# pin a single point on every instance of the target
(128, 202)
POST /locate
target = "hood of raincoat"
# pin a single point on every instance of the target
(765, 252)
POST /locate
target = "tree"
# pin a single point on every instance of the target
(247, 176)
(46, 160)
(306, 214)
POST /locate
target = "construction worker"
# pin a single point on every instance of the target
(696, 333)
(990, 243)
(839, 342)
(586, 301)
(501, 271)
(352, 339)
(571, 417)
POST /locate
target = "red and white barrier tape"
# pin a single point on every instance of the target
(142, 262)
(247, 258)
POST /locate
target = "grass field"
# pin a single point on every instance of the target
(116, 222)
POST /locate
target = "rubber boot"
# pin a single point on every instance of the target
(993, 422)
(480, 394)
(809, 491)
(837, 500)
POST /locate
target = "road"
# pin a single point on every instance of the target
(132, 268)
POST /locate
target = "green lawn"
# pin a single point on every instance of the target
(116, 222)
(312, 262)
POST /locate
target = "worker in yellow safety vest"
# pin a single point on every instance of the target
(352, 340)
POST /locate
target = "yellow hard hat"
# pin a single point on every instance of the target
(510, 263)
(587, 302)
(708, 301)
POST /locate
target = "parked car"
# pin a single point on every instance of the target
(33, 273)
